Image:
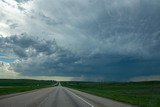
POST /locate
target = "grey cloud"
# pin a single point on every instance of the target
(108, 67)
(38, 57)
(21, 1)
(25, 46)
(13, 26)
(123, 27)
(84, 27)
(111, 39)
(48, 20)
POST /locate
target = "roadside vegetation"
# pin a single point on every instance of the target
(143, 94)
(8, 86)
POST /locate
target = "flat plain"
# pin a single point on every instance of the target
(143, 94)
(10, 86)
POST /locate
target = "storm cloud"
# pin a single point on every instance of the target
(112, 40)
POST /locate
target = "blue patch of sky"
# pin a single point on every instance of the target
(3, 58)
(8, 60)
(1, 54)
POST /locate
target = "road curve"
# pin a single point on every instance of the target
(59, 97)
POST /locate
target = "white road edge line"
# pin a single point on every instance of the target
(80, 98)
(43, 101)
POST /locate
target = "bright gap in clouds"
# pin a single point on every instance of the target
(107, 40)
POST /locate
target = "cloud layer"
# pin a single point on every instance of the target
(108, 39)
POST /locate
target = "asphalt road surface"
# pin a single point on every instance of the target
(58, 97)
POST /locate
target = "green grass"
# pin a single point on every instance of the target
(9, 86)
(144, 94)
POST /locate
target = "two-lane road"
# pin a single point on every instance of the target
(59, 97)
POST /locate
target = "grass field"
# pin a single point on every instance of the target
(144, 94)
(8, 86)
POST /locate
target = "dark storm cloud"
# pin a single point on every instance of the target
(118, 68)
(112, 26)
(44, 58)
(25, 46)
(112, 39)
(130, 27)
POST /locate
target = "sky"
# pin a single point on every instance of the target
(83, 40)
